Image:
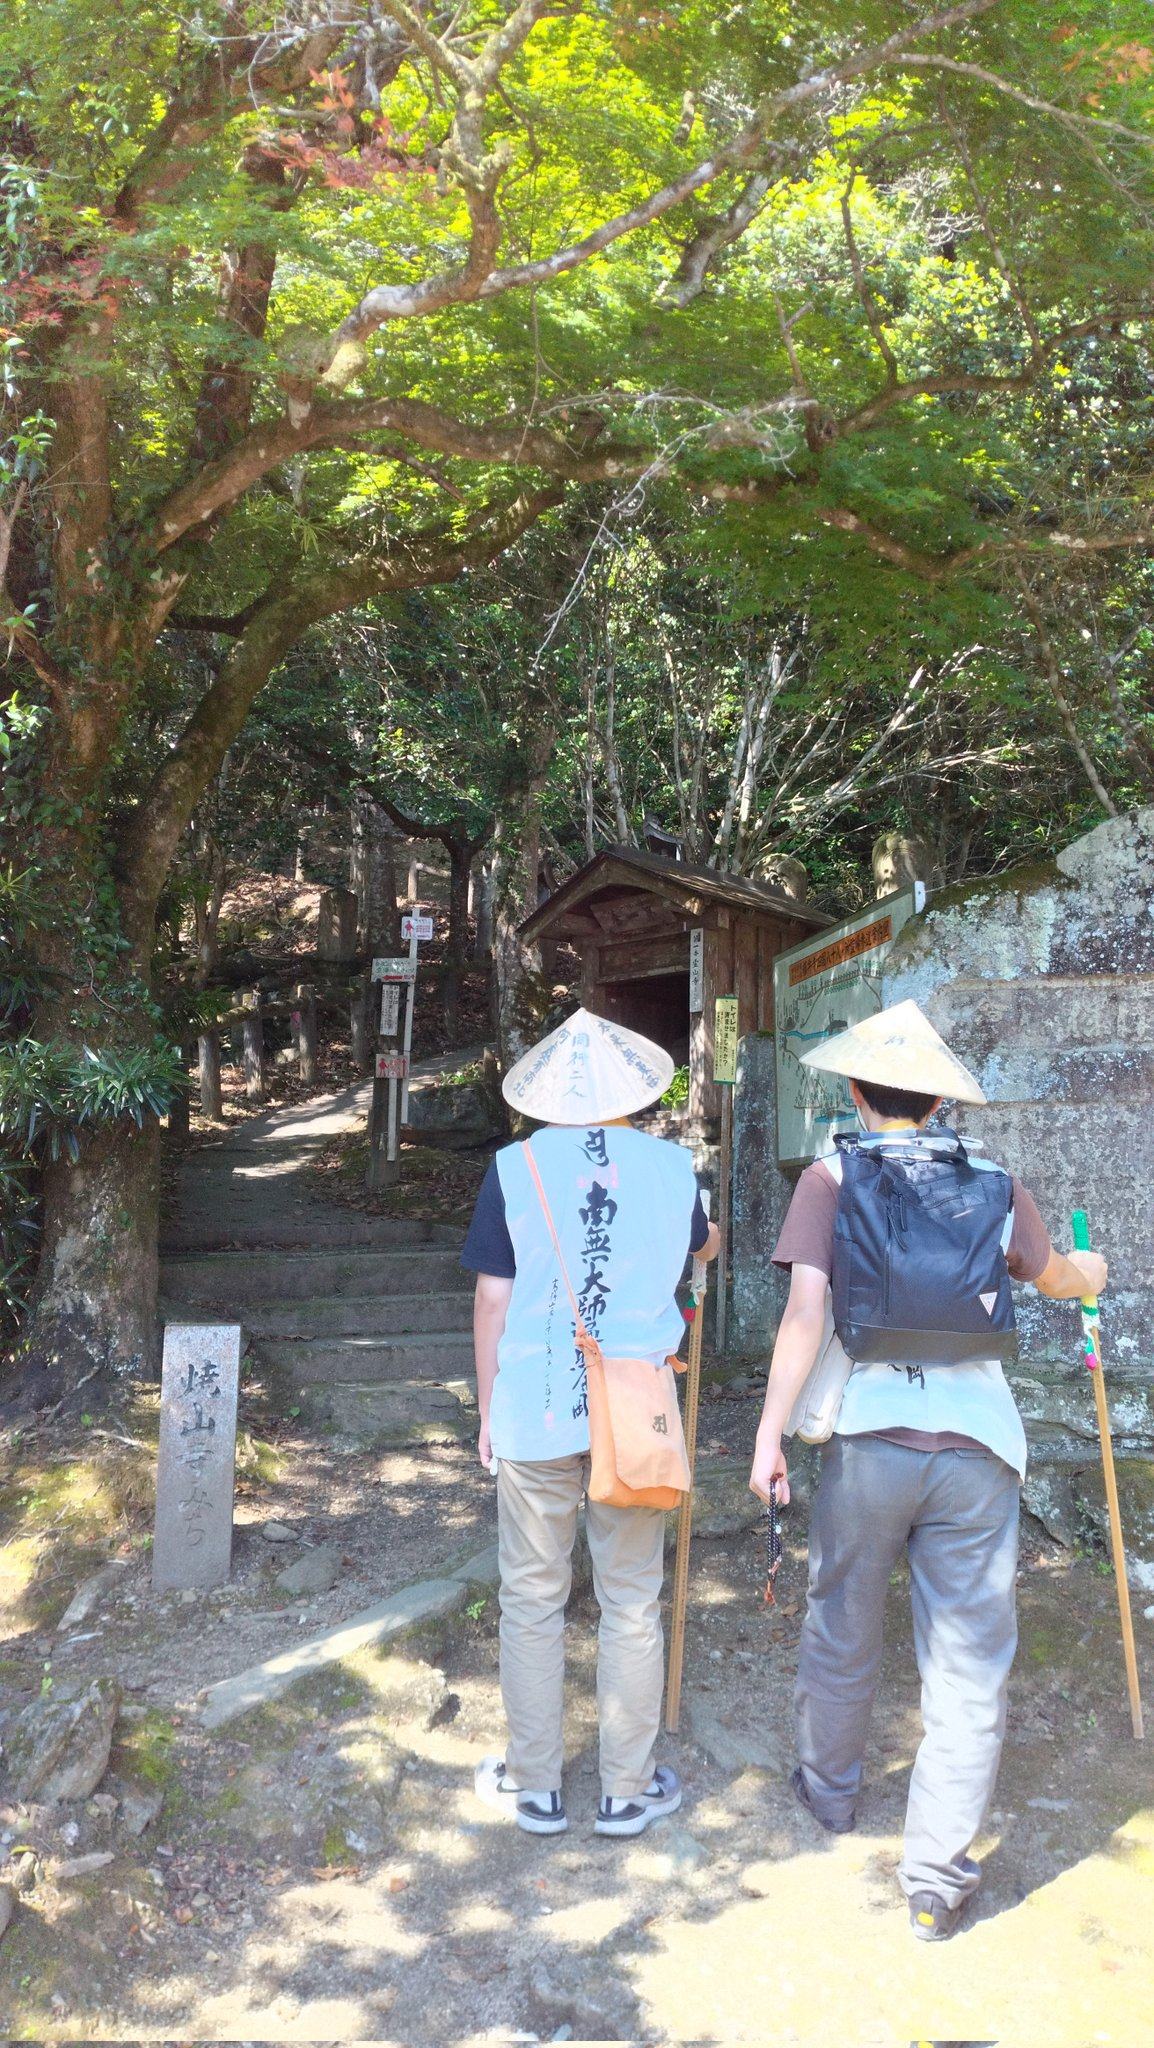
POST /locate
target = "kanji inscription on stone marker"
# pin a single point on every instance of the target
(192, 1543)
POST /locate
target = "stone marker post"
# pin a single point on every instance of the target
(304, 1019)
(253, 1030)
(192, 1543)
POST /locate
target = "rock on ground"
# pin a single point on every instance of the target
(559, 1997)
(82, 1866)
(139, 1806)
(89, 1595)
(59, 1747)
(316, 1572)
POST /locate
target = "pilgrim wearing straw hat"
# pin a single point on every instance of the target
(908, 1239)
(625, 1211)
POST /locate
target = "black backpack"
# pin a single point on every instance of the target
(919, 1269)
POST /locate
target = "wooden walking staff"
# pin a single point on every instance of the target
(1091, 1334)
(697, 1286)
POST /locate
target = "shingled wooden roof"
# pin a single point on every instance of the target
(688, 889)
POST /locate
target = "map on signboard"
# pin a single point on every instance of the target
(830, 981)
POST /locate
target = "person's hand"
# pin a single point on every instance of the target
(1093, 1266)
(769, 1465)
(485, 1446)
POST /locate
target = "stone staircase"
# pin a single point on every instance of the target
(364, 1321)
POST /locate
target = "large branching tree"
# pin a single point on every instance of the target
(310, 304)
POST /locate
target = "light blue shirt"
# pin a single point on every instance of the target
(623, 1206)
(969, 1400)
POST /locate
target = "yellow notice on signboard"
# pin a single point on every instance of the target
(725, 1039)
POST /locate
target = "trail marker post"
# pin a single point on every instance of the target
(413, 928)
(396, 974)
(725, 1074)
(192, 1540)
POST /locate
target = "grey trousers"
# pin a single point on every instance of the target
(536, 1527)
(956, 1514)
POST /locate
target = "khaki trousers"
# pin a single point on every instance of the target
(537, 1525)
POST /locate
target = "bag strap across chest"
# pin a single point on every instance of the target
(585, 1342)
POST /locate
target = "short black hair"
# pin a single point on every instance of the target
(889, 1101)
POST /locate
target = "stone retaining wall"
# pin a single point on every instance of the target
(1043, 982)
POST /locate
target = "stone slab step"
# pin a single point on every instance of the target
(412, 1607)
(217, 1229)
(233, 1280)
(312, 1361)
(350, 1315)
(395, 1413)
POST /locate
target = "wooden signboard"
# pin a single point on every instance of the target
(725, 1040)
(390, 1008)
(696, 971)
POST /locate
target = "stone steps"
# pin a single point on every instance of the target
(341, 1315)
(366, 1319)
(429, 1358)
(234, 1281)
(226, 1226)
(393, 1413)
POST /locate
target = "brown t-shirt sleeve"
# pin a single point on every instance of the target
(1030, 1245)
(807, 1233)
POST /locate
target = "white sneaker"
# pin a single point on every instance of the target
(538, 1813)
(632, 1816)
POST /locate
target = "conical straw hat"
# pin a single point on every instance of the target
(587, 1071)
(899, 1048)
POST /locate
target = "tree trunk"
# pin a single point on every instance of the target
(456, 952)
(206, 910)
(93, 1310)
(373, 875)
(520, 998)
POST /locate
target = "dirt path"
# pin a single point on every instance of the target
(320, 1870)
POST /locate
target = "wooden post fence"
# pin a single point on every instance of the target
(208, 1052)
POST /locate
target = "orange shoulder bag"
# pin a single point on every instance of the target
(637, 1450)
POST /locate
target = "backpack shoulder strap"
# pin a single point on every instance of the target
(833, 1162)
(583, 1337)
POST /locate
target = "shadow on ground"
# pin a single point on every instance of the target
(322, 1872)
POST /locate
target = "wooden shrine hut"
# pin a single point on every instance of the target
(634, 919)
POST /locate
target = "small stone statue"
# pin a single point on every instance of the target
(781, 872)
(899, 859)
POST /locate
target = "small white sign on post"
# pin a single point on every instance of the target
(401, 967)
(392, 1066)
(696, 971)
(390, 1008)
(414, 927)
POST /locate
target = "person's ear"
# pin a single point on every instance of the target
(856, 1096)
(932, 1110)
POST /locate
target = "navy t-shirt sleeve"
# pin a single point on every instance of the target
(488, 1247)
(699, 1228)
